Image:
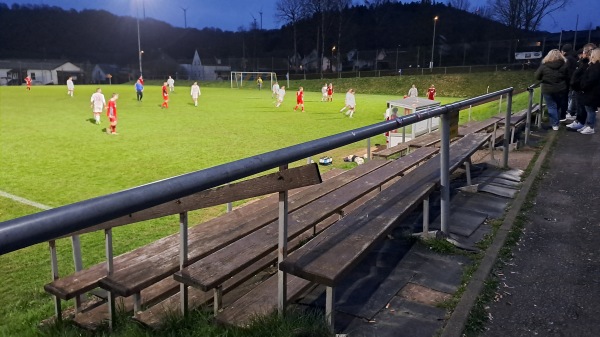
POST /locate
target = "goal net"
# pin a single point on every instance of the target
(249, 79)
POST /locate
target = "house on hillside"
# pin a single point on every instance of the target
(110, 73)
(210, 70)
(12, 72)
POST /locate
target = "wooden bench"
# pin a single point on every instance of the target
(330, 256)
(80, 282)
(404, 148)
(211, 272)
(518, 120)
(145, 281)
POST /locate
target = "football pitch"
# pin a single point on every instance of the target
(52, 153)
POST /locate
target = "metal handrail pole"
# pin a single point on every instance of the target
(528, 119)
(509, 100)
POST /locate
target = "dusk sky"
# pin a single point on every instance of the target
(231, 14)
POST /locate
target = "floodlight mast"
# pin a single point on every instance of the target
(140, 51)
(433, 42)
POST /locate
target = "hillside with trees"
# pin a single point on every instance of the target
(95, 36)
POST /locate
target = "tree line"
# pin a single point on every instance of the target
(307, 26)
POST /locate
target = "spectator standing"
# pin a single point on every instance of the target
(590, 84)
(171, 84)
(195, 92)
(431, 92)
(580, 113)
(413, 92)
(139, 90)
(570, 110)
(552, 73)
(70, 86)
(97, 102)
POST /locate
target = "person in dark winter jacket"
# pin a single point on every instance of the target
(552, 73)
(590, 85)
(567, 51)
(579, 109)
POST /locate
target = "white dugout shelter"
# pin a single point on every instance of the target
(409, 106)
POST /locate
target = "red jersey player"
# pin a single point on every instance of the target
(165, 94)
(111, 112)
(141, 79)
(299, 98)
(431, 92)
(330, 92)
(28, 81)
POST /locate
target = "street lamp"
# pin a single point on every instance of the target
(140, 51)
(331, 61)
(433, 42)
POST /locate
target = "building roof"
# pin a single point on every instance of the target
(32, 64)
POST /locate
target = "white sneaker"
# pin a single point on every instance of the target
(588, 131)
(569, 116)
(555, 128)
(575, 125)
(583, 128)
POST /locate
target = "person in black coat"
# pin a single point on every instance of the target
(579, 108)
(590, 85)
(552, 73)
(569, 111)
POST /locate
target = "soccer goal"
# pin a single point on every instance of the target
(241, 79)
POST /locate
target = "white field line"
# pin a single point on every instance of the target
(23, 200)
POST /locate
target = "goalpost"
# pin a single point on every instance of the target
(240, 79)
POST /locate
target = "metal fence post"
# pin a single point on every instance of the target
(78, 263)
(444, 172)
(369, 148)
(183, 260)
(507, 128)
(528, 120)
(282, 251)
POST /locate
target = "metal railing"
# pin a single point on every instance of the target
(58, 222)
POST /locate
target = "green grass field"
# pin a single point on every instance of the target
(52, 153)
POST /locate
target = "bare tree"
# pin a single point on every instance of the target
(524, 14)
(340, 6)
(460, 4)
(290, 11)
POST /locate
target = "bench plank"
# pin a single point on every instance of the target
(270, 183)
(216, 234)
(330, 256)
(211, 271)
(261, 300)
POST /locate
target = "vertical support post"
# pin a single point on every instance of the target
(137, 302)
(218, 299)
(426, 217)
(368, 148)
(444, 173)
(470, 111)
(183, 260)
(468, 171)
(500, 105)
(54, 268)
(109, 271)
(507, 129)
(282, 251)
(528, 119)
(329, 307)
(78, 263)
